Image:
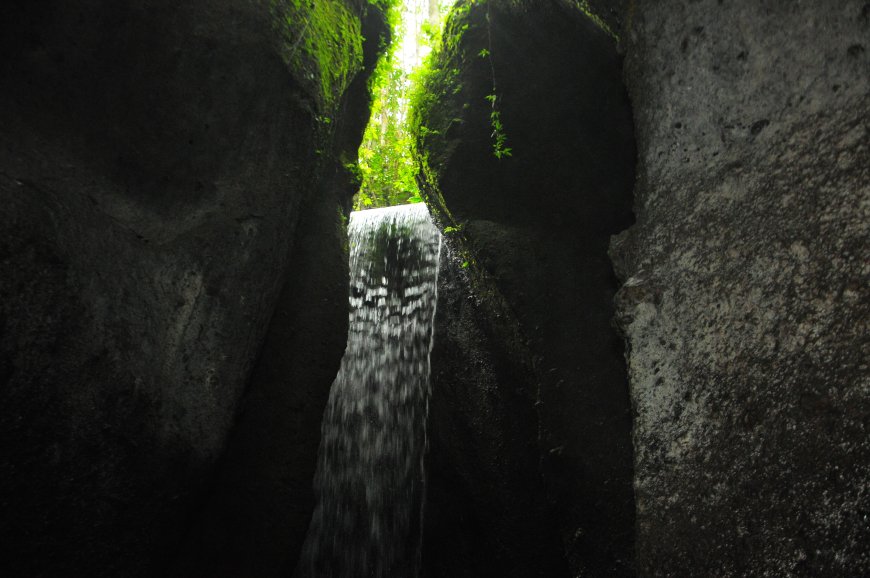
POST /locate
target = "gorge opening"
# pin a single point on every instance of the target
(650, 343)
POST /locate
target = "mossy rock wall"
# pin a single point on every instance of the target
(532, 231)
(163, 167)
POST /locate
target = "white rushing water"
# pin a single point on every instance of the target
(370, 480)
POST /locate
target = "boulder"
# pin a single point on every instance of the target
(745, 299)
(529, 221)
(159, 164)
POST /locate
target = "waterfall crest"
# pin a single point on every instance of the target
(369, 481)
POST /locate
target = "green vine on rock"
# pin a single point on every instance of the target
(499, 138)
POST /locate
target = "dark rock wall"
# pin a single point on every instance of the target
(256, 517)
(745, 303)
(486, 512)
(155, 158)
(609, 12)
(534, 228)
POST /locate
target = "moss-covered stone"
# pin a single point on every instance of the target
(531, 229)
(322, 41)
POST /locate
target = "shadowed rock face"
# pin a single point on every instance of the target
(611, 12)
(540, 478)
(155, 159)
(745, 302)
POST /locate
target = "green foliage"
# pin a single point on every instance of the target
(499, 138)
(355, 172)
(387, 6)
(435, 86)
(435, 98)
(322, 41)
(436, 80)
(385, 161)
(440, 80)
(389, 173)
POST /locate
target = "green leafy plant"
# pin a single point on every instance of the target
(387, 166)
(384, 158)
(437, 87)
(499, 138)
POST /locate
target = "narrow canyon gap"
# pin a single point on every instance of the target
(176, 180)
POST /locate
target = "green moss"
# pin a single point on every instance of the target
(385, 157)
(322, 44)
(437, 90)
(585, 8)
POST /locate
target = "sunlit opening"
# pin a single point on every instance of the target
(386, 167)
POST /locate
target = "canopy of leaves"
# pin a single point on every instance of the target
(386, 165)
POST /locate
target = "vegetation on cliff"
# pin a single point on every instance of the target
(323, 41)
(386, 168)
(416, 82)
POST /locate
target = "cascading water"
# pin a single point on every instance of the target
(370, 480)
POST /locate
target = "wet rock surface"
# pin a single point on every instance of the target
(745, 303)
(485, 513)
(155, 159)
(534, 228)
(254, 519)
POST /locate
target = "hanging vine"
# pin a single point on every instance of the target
(499, 138)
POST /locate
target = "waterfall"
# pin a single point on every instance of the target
(369, 482)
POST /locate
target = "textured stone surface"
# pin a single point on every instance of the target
(611, 12)
(745, 302)
(255, 519)
(155, 158)
(486, 512)
(535, 228)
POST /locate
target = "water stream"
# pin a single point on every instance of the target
(370, 479)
